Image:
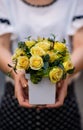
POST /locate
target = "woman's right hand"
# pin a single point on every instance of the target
(21, 89)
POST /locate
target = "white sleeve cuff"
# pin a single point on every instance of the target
(77, 24)
(6, 29)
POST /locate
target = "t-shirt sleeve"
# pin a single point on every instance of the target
(77, 18)
(5, 20)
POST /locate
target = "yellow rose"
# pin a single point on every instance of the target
(68, 65)
(22, 62)
(44, 45)
(46, 40)
(43, 39)
(66, 57)
(18, 52)
(14, 57)
(55, 74)
(52, 55)
(37, 51)
(29, 43)
(58, 46)
(36, 62)
(39, 39)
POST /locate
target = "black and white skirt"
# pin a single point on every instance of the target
(14, 117)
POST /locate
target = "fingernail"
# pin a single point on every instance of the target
(25, 85)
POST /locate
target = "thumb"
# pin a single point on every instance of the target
(24, 81)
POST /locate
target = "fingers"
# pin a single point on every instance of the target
(61, 94)
(24, 81)
(41, 107)
(21, 85)
(58, 103)
(21, 90)
(59, 84)
(20, 95)
(61, 98)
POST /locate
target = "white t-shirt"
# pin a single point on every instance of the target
(62, 18)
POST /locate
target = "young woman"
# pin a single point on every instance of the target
(22, 18)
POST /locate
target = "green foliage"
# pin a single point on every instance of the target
(21, 44)
(55, 63)
(64, 41)
(64, 75)
(47, 63)
(28, 38)
(71, 71)
(27, 50)
(36, 75)
(61, 65)
(46, 72)
(46, 58)
(52, 38)
(61, 53)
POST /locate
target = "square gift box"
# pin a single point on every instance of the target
(42, 93)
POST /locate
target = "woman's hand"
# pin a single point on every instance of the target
(21, 92)
(21, 89)
(61, 93)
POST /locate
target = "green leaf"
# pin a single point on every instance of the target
(62, 53)
(35, 77)
(28, 38)
(21, 44)
(61, 66)
(52, 38)
(64, 41)
(56, 62)
(46, 72)
(46, 58)
(64, 75)
(35, 80)
(71, 71)
(27, 50)
(46, 65)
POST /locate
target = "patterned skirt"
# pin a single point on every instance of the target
(14, 117)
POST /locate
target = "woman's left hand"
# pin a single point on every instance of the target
(61, 92)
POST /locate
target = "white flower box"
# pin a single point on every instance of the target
(42, 93)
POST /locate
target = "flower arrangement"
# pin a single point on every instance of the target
(43, 57)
